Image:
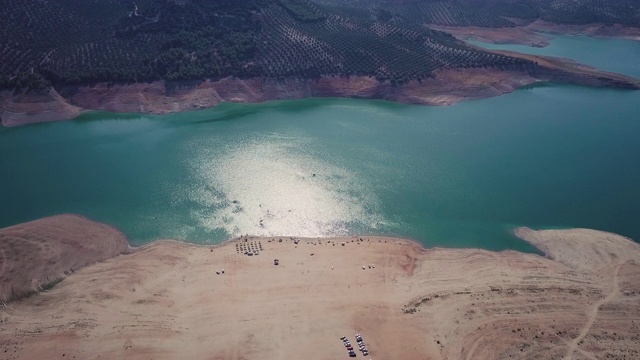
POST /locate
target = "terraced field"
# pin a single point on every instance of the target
(66, 42)
(447, 13)
(90, 41)
(340, 44)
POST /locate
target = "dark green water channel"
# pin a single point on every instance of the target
(458, 176)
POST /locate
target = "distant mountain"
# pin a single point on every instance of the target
(64, 42)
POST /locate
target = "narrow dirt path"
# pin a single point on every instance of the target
(473, 348)
(593, 314)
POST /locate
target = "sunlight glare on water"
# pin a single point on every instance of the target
(266, 186)
(458, 176)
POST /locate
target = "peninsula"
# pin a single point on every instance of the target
(170, 299)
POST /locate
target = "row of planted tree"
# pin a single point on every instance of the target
(201, 39)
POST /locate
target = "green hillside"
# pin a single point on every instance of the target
(67, 42)
(624, 12)
(449, 13)
(495, 13)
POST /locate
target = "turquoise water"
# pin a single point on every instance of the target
(457, 176)
(615, 55)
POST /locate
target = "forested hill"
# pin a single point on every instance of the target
(90, 41)
(64, 42)
(497, 13)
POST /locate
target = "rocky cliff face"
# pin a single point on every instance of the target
(18, 108)
(447, 87)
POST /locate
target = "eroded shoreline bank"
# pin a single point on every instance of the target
(445, 88)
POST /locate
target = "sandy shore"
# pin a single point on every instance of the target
(515, 35)
(598, 30)
(167, 301)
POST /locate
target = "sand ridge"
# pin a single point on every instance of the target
(39, 253)
(171, 300)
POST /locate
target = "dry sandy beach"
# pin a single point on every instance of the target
(166, 300)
